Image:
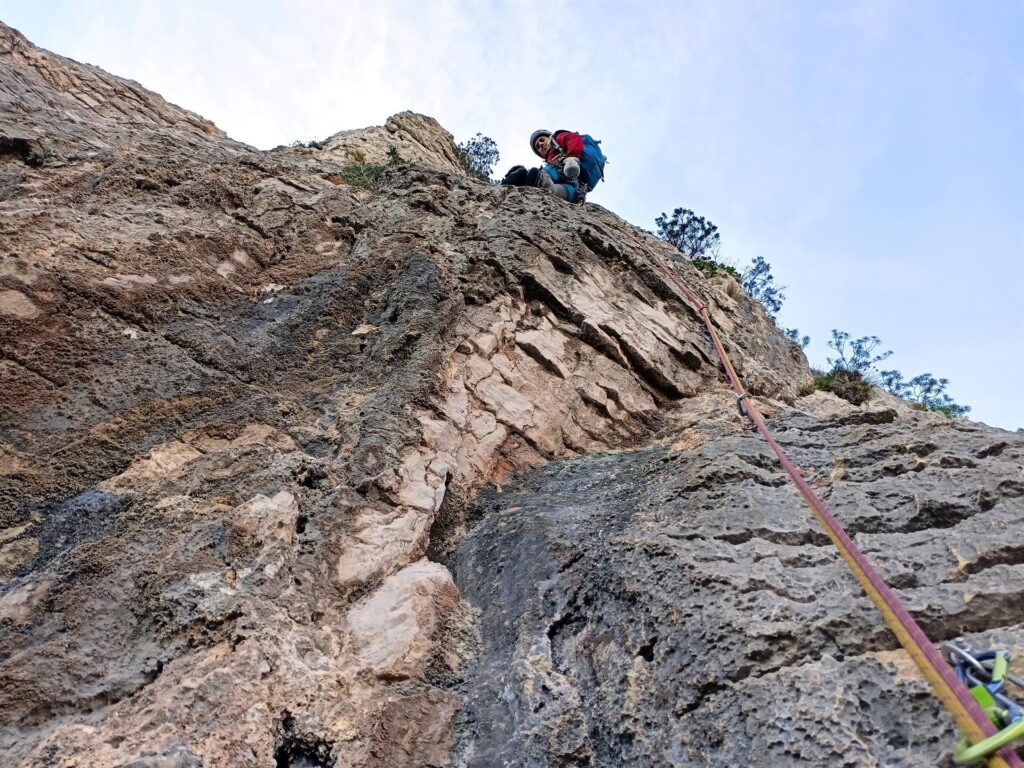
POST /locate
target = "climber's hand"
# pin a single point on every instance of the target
(571, 168)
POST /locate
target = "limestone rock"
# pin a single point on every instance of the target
(395, 628)
(246, 413)
(416, 138)
(48, 100)
(681, 606)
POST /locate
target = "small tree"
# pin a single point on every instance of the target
(856, 355)
(852, 370)
(693, 235)
(854, 367)
(759, 284)
(926, 390)
(793, 334)
(479, 155)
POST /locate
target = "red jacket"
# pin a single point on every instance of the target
(566, 144)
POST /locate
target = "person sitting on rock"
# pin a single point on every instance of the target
(565, 172)
(561, 152)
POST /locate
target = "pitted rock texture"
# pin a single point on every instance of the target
(244, 404)
(678, 605)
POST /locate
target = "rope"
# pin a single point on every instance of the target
(968, 715)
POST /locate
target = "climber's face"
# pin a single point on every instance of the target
(542, 145)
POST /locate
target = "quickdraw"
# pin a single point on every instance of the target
(986, 675)
(982, 740)
(739, 403)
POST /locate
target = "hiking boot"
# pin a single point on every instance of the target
(517, 176)
(561, 191)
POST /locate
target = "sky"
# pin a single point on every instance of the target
(872, 152)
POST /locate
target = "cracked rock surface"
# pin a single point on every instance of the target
(253, 406)
(678, 605)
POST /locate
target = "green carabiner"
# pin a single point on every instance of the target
(968, 754)
(1000, 666)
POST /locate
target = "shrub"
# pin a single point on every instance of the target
(371, 175)
(793, 335)
(759, 283)
(854, 371)
(856, 354)
(711, 267)
(849, 385)
(479, 155)
(360, 173)
(925, 390)
(693, 235)
(37, 158)
(698, 239)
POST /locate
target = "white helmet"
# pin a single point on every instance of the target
(533, 140)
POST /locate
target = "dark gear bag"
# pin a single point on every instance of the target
(521, 176)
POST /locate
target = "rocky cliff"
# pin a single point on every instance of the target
(327, 457)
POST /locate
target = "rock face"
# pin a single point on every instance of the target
(676, 605)
(250, 401)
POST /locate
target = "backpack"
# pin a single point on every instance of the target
(592, 161)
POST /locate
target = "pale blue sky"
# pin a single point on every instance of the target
(873, 152)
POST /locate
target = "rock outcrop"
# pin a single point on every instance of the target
(250, 400)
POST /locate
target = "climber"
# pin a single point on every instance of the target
(574, 164)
